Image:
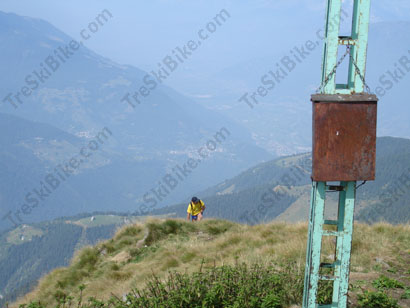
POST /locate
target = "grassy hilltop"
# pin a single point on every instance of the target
(216, 263)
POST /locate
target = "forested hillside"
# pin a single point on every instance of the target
(278, 189)
(392, 185)
(31, 251)
(215, 263)
(281, 189)
(84, 97)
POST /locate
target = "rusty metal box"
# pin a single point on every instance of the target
(344, 137)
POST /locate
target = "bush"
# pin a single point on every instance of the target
(384, 282)
(88, 259)
(238, 286)
(129, 231)
(406, 294)
(325, 292)
(226, 286)
(271, 301)
(376, 300)
(216, 227)
(158, 231)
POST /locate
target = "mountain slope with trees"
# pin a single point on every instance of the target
(31, 251)
(280, 189)
(82, 97)
(215, 263)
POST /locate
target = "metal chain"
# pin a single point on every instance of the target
(333, 71)
(324, 83)
(368, 90)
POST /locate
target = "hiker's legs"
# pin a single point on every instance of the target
(200, 216)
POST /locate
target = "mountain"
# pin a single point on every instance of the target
(31, 152)
(216, 263)
(82, 96)
(32, 250)
(281, 120)
(86, 93)
(280, 189)
(276, 190)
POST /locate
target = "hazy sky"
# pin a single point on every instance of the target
(142, 33)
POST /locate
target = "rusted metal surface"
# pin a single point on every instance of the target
(344, 137)
(344, 148)
(346, 40)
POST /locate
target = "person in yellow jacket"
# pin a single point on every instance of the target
(195, 209)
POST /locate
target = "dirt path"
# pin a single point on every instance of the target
(141, 241)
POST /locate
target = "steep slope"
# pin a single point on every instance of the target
(385, 199)
(83, 96)
(32, 250)
(20, 141)
(281, 120)
(31, 151)
(117, 266)
(280, 189)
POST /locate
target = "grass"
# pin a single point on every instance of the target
(23, 234)
(376, 300)
(102, 220)
(384, 282)
(225, 286)
(136, 253)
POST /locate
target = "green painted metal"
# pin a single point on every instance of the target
(331, 44)
(309, 245)
(346, 246)
(343, 234)
(357, 42)
(360, 33)
(339, 242)
(316, 221)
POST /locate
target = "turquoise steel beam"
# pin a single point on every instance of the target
(357, 41)
(343, 234)
(350, 197)
(314, 244)
(360, 33)
(309, 245)
(331, 43)
(339, 241)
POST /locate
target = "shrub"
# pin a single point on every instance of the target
(325, 292)
(227, 286)
(376, 300)
(384, 282)
(216, 227)
(272, 301)
(238, 286)
(129, 231)
(406, 294)
(158, 231)
(88, 258)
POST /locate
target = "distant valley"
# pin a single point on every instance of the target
(31, 251)
(280, 190)
(276, 190)
(78, 101)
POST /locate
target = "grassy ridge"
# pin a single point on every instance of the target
(280, 189)
(129, 260)
(28, 252)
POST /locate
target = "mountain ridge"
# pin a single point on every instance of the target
(84, 96)
(280, 189)
(122, 270)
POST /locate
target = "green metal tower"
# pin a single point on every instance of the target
(344, 146)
